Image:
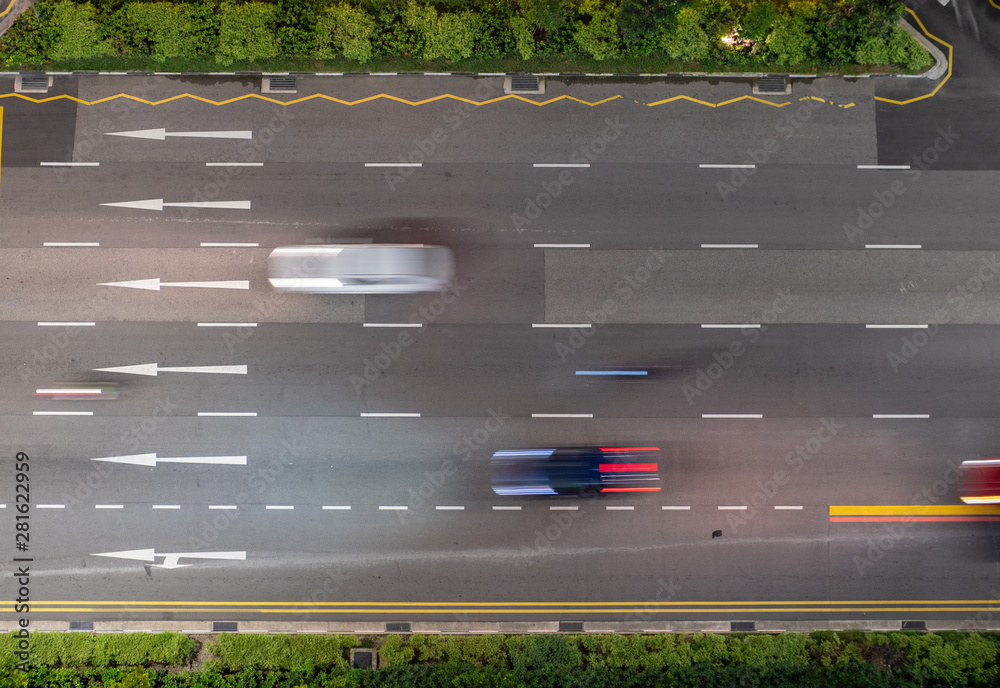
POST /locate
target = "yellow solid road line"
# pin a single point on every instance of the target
(943, 81)
(915, 510)
(1, 141)
(9, 8)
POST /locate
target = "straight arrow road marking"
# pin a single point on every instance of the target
(151, 460)
(158, 204)
(162, 134)
(154, 284)
(154, 368)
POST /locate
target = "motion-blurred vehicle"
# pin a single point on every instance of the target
(980, 481)
(80, 391)
(361, 268)
(575, 470)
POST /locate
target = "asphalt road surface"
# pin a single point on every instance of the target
(815, 329)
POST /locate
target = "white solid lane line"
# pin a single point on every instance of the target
(895, 327)
(568, 325)
(225, 507)
(449, 508)
(70, 164)
(50, 506)
(732, 508)
(728, 326)
(336, 508)
(711, 166)
(732, 415)
(900, 415)
(562, 415)
(234, 164)
(66, 244)
(62, 413)
(279, 507)
(883, 167)
(109, 506)
(730, 245)
(675, 508)
(787, 508)
(892, 246)
(564, 508)
(506, 508)
(393, 164)
(562, 245)
(579, 165)
(166, 506)
(393, 508)
(210, 244)
(227, 324)
(66, 324)
(390, 415)
(227, 414)
(392, 324)
(620, 508)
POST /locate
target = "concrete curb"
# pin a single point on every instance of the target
(505, 627)
(941, 62)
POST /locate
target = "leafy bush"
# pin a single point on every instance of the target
(597, 33)
(164, 27)
(900, 48)
(451, 35)
(524, 36)
(758, 21)
(791, 41)
(347, 30)
(688, 40)
(246, 33)
(285, 652)
(78, 32)
(85, 649)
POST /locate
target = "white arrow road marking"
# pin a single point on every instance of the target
(152, 460)
(154, 368)
(154, 284)
(170, 559)
(162, 134)
(158, 204)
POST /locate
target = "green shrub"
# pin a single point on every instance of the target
(246, 33)
(78, 32)
(451, 35)
(283, 652)
(524, 36)
(688, 40)
(757, 21)
(791, 42)
(597, 33)
(548, 15)
(164, 27)
(394, 651)
(899, 48)
(347, 30)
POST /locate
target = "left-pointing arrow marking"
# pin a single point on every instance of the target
(162, 134)
(154, 284)
(158, 204)
(154, 368)
(170, 559)
(152, 460)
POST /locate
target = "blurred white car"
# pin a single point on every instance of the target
(361, 268)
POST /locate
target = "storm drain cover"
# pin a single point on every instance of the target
(81, 625)
(914, 625)
(362, 658)
(282, 83)
(571, 627)
(32, 84)
(771, 84)
(224, 626)
(742, 626)
(398, 627)
(524, 82)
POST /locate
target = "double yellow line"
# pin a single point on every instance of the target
(913, 513)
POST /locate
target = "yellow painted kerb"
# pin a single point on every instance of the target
(9, 8)
(1, 140)
(951, 59)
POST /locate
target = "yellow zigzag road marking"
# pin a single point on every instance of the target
(708, 104)
(301, 100)
(937, 88)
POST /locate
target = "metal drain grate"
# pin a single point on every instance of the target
(524, 82)
(81, 625)
(742, 626)
(362, 658)
(398, 627)
(571, 627)
(772, 84)
(33, 83)
(914, 626)
(224, 627)
(282, 83)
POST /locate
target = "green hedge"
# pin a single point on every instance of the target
(234, 652)
(86, 649)
(691, 34)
